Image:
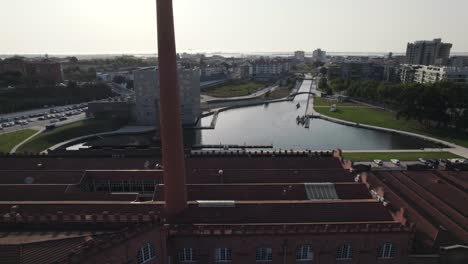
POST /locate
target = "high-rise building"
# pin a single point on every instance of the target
(319, 55)
(425, 52)
(147, 95)
(299, 56)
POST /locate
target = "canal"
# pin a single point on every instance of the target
(275, 124)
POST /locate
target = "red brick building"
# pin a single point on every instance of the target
(437, 201)
(293, 208)
(37, 71)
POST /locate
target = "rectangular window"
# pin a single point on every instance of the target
(387, 250)
(223, 255)
(186, 255)
(264, 255)
(304, 253)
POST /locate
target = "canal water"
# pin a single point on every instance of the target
(275, 124)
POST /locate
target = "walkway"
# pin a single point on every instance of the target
(208, 99)
(455, 149)
(13, 150)
(123, 130)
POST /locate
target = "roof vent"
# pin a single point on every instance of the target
(29, 180)
(321, 191)
(226, 203)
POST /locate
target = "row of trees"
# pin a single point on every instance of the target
(19, 99)
(441, 104)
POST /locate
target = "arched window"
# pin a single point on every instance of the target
(146, 253)
(264, 254)
(186, 255)
(344, 252)
(387, 250)
(223, 255)
(304, 253)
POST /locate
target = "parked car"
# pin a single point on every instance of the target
(53, 121)
(422, 160)
(378, 162)
(457, 161)
(63, 118)
(395, 161)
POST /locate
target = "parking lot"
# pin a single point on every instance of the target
(40, 120)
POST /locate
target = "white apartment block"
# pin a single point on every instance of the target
(432, 74)
(214, 70)
(270, 68)
(146, 85)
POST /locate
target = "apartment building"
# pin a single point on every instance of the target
(146, 83)
(425, 52)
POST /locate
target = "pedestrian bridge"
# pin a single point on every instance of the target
(299, 93)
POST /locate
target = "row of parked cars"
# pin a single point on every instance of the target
(54, 115)
(428, 162)
(7, 123)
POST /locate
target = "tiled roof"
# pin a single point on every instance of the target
(55, 163)
(438, 201)
(42, 247)
(40, 177)
(119, 175)
(291, 175)
(262, 191)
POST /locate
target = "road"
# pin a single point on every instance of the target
(121, 90)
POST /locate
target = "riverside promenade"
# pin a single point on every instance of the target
(452, 148)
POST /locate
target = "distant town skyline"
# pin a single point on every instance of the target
(244, 26)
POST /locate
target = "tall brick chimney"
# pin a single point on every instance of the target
(169, 107)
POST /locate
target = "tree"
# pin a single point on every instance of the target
(339, 85)
(323, 70)
(73, 60)
(317, 64)
(119, 79)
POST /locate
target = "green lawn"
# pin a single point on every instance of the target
(320, 102)
(279, 93)
(233, 89)
(377, 117)
(10, 140)
(403, 156)
(50, 138)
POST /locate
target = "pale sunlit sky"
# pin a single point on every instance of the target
(128, 26)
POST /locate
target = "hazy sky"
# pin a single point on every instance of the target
(128, 26)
